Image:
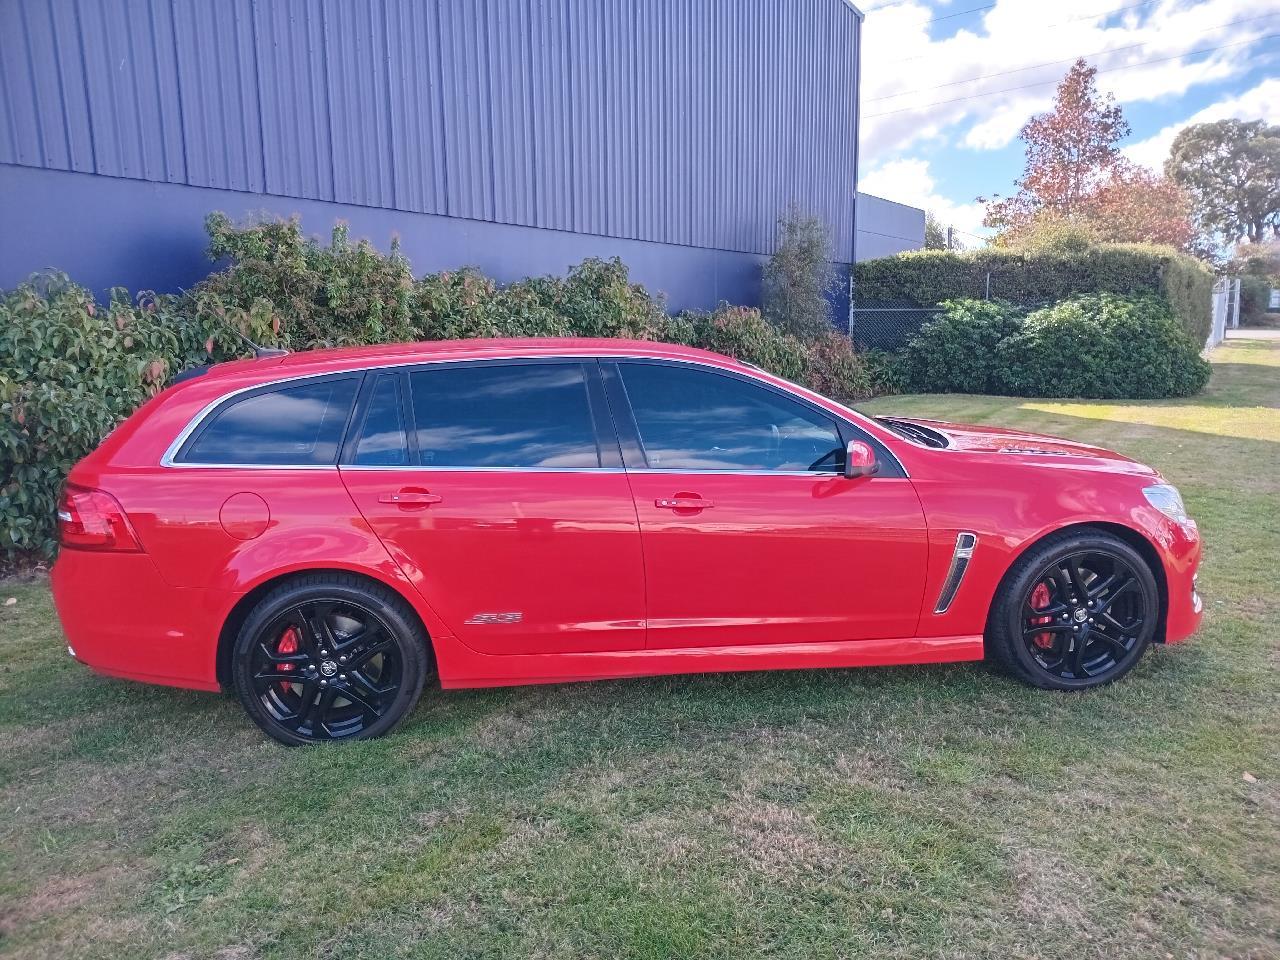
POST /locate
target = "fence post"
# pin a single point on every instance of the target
(988, 296)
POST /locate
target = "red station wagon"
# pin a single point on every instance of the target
(325, 532)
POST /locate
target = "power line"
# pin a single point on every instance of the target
(1086, 16)
(961, 13)
(1052, 63)
(1042, 83)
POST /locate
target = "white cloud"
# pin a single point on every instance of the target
(906, 75)
(1260, 103)
(909, 181)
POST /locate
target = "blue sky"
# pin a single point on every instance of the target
(947, 84)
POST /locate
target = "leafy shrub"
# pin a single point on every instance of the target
(1032, 278)
(886, 372)
(70, 370)
(833, 369)
(316, 296)
(1255, 298)
(1103, 347)
(798, 278)
(598, 299)
(742, 333)
(956, 352)
(458, 304)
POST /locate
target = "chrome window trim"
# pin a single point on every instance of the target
(167, 459)
(421, 468)
(683, 471)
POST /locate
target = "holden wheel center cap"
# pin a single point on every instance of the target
(328, 668)
(1081, 615)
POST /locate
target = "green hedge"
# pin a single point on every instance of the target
(930, 277)
(956, 352)
(1101, 346)
(71, 369)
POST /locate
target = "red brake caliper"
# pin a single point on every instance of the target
(1040, 600)
(288, 644)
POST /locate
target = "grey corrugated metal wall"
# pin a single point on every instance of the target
(688, 122)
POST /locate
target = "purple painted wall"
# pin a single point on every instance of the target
(139, 235)
(516, 135)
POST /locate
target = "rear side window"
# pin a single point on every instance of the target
(691, 419)
(286, 426)
(504, 415)
(382, 441)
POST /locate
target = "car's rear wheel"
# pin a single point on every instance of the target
(1076, 612)
(329, 657)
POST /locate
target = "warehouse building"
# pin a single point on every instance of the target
(519, 136)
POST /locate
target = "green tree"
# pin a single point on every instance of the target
(935, 233)
(798, 277)
(1231, 168)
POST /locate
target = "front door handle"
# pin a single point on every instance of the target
(411, 497)
(683, 503)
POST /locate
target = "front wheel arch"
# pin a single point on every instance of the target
(244, 606)
(1146, 549)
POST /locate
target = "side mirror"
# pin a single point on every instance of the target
(859, 460)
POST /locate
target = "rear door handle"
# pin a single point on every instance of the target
(682, 503)
(411, 497)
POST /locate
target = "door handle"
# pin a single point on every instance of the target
(410, 497)
(682, 503)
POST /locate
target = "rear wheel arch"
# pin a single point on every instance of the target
(243, 607)
(1145, 548)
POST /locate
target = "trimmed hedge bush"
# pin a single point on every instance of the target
(1102, 347)
(1035, 278)
(956, 352)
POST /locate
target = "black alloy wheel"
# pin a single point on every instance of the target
(329, 657)
(1076, 612)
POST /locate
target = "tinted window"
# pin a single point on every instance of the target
(382, 440)
(504, 415)
(291, 426)
(692, 419)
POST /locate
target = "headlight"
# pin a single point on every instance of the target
(1165, 498)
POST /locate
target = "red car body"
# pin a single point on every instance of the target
(554, 575)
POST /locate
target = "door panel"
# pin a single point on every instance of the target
(780, 559)
(751, 532)
(504, 503)
(515, 562)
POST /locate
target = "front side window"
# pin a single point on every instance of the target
(692, 419)
(286, 426)
(504, 415)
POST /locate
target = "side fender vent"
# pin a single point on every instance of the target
(965, 542)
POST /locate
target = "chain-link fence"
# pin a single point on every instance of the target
(886, 324)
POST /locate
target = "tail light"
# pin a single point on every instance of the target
(91, 519)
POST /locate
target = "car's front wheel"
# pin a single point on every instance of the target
(1077, 611)
(329, 657)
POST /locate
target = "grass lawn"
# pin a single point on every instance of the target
(914, 812)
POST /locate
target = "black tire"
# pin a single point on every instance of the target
(1077, 611)
(329, 656)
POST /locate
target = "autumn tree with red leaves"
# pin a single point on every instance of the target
(1076, 176)
(1137, 205)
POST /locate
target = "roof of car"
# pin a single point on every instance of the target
(345, 358)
